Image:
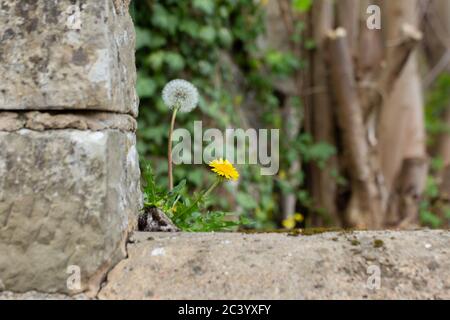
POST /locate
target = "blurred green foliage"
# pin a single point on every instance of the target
(189, 39)
(302, 5)
(433, 212)
(217, 46)
(438, 100)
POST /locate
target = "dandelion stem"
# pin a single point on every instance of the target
(211, 188)
(169, 148)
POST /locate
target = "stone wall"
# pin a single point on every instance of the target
(69, 173)
(61, 55)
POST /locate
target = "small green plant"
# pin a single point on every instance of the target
(185, 211)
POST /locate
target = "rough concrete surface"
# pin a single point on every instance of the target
(67, 55)
(39, 121)
(335, 265)
(67, 198)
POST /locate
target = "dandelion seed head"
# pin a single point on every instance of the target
(180, 94)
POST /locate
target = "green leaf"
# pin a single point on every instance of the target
(175, 61)
(156, 60)
(246, 201)
(432, 188)
(431, 219)
(205, 67)
(145, 86)
(149, 180)
(143, 38)
(320, 151)
(179, 187)
(207, 34)
(189, 26)
(195, 176)
(225, 37)
(310, 44)
(301, 5)
(282, 63)
(207, 6)
(447, 212)
(162, 19)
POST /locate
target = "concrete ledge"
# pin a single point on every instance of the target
(35, 295)
(335, 265)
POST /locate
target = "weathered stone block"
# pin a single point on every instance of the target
(67, 197)
(67, 54)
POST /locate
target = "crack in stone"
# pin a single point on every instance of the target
(8, 215)
(105, 279)
(87, 120)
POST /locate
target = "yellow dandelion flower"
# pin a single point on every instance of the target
(224, 168)
(289, 223)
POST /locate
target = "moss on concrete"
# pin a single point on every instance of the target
(377, 243)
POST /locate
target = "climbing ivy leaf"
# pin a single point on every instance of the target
(145, 86)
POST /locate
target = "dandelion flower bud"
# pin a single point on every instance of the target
(180, 94)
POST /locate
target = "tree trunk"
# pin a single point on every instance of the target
(402, 125)
(364, 208)
(406, 196)
(401, 129)
(348, 14)
(323, 184)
